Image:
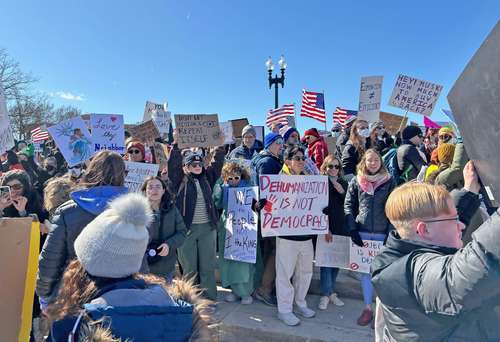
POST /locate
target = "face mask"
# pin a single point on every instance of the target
(75, 172)
(365, 133)
(335, 134)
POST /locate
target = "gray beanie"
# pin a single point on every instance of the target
(114, 243)
(248, 129)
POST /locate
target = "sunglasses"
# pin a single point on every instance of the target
(444, 137)
(332, 166)
(196, 164)
(133, 151)
(298, 158)
(279, 141)
(233, 178)
(16, 186)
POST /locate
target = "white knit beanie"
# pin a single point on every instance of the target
(114, 243)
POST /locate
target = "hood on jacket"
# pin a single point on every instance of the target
(95, 200)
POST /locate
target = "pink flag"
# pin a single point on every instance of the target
(430, 124)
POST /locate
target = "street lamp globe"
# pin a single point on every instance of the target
(269, 64)
(282, 62)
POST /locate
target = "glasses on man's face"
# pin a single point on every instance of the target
(333, 166)
(133, 151)
(16, 186)
(455, 218)
(279, 141)
(235, 178)
(298, 158)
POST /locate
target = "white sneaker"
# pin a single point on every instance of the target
(305, 312)
(323, 302)
(336, 300)
(230, 297)
(247, 300)
(289, 318)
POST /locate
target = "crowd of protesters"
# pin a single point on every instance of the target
(141, 253)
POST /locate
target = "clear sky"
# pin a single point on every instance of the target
(208, 56)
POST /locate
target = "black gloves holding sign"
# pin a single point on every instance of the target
(257, 206)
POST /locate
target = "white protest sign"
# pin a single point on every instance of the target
(334, 253)
(6, 136)
(137, 174)
(361, 258)
(415, 95)
(294, 205)
(108, 132)
(198, 130)
(150, 107)
(259, 130)
(370, 94)
(241, 225)
(227, 130)
(73, 140)
(162, 120)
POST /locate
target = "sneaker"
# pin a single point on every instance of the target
(247, 300)
(366, 317)
(230, 297)
(289, 318)
(266, 299)
(336, 300)
(323, 302)
(305, 312)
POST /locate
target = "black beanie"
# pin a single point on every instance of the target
(411, 131)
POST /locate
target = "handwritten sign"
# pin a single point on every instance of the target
(227, 130)
(162, 120)
(241, 225)
(146, 132)
(151, 107)
(370, 94)
(137, 174)
(73, 140)
(415, 95)
(392, 122)
(294, 205)
(361, 258)
(160, 154)
(198, 130)
(238, 126)
(6, 136)
(108, 132)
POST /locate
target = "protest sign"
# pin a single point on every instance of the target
(415, 95)
(294, 205)
(238, 126)
(86, 119)
(370, 95)
(137, 174)
(19, 249)
(198, 130)
(392, 122)
(475, 103)
(160, 154)
(162, 120)
(361, 258)
(73, 140)
(146, 132)
(151, 107)
(334, 253)
(331, 142)
(259, 131)
(6, 136)
(241, 225)
(227, 130)
(108, 132)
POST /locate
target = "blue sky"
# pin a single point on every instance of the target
(208, 56)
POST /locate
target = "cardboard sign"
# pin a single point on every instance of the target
(475, 103)
(361, 258)
(294, 205)
(151, 107)
(162, 120)
(259, 131)
(331, 142)
(370, 95)
(160, 154)
(415, 95)
(19, 249)
(146, 132)
(241, 225)
(108, 132)
(198, 130)
(6, 136)
(392, 122)
(227, 130)
(137, 174)
(238, 126)
(73, 140)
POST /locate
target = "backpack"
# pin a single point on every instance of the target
(390, 160)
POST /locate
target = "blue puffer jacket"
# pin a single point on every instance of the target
(242, 152)
(69, 220)
(132, 310)
(265, 163)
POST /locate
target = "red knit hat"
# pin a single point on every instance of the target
(312, 131)
(138, 145)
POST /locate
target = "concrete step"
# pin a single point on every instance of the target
(259, 322)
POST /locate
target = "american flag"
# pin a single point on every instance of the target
(341, 115)
(280, 114)
(37, 135)
(313, 105)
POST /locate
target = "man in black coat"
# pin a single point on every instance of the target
(430, 287)
(410, 160)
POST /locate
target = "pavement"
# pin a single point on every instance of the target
(259, 322)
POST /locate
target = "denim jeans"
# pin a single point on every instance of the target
(328, 276)
(366, 278)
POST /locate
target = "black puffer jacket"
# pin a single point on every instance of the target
(350, 159)
(408, 155)
(336, 217)
(365, 212)
(431, 293)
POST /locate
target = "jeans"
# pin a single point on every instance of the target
(328, 276)
(366, 278)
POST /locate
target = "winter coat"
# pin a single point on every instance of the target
(365, 212)
(350, 159)
(317, 151)
(408, 155)
(432, 293)
(33, 206)
(185, 187)
(336, 216)
(167, 227)
(242, 152)
(343, 139)
(453, 177)
(266, 163)
(68, 221)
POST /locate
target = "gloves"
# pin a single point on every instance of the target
(325, 210)
(356, 238)
(257, 206)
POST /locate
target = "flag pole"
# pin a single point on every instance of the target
(402, 121)
(324, 105)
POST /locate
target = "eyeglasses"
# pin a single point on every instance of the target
(133, 151)
(455, 218)
(196, 164)
(298, 158)
(16, 186)
(279, 141)
(233, 178)
(332, 166)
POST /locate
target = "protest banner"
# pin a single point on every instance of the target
(146, 132)
(108, 132)
(238, 126)
(294, 205)
(73, 140)
(162, 120)
(19, 249)
(392, 122)
(259, 131)
(361, 258)
(137, 173)
(6, 136)
(415, 95)
(370, 95)
(227, 130)
(151, 107)
(241, 225)
(475, 107)
(198, 130)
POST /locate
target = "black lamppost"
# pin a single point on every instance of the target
(276, 80)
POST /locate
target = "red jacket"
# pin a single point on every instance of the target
(318, 150)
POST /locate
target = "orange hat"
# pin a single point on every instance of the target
(445, 153)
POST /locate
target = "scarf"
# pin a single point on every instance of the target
(370, 183)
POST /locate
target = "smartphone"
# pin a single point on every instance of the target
(5, 192)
